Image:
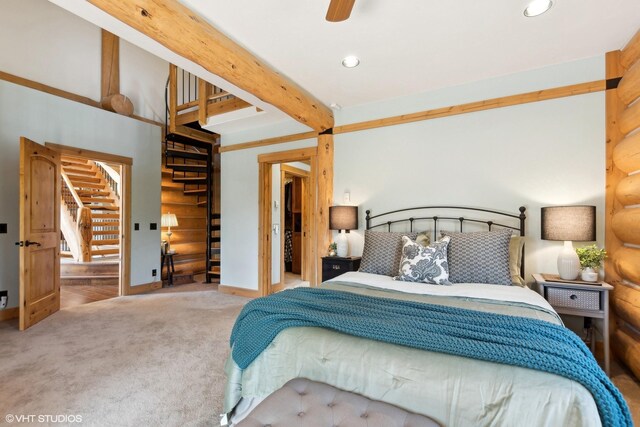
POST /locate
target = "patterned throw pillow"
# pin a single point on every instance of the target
(382, 252)
(424, 264)
(481, 257)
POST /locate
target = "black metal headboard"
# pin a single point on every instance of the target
(501, 218)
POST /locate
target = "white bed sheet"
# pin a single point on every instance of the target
(515, 294)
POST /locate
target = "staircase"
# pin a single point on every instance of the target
(91, 189)
(190, 163)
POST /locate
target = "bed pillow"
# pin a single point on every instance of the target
(427, 264)
(424, 238)
(481, 257)
(516, 246)
(382, 252)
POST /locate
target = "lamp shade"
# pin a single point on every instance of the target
(343, 217)
(569, 223)
(169, 220)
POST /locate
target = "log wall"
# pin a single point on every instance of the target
(623, 199)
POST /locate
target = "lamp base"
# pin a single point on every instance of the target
(342, 245)
(568, 262)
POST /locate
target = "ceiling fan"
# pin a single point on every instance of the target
(339, 10)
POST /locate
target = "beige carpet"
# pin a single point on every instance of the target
(131, 361)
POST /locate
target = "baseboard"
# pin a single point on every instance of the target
(242, 292)
(9, 313)
(141, 289)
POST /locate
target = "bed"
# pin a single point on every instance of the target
(453, 389)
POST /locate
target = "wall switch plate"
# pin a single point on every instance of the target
(3, 228)
(153, 226)
(136, 226)
(4, 297)
(154, 272)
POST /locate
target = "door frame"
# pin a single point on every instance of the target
(125, 204)
(265, 213)
(305, 272)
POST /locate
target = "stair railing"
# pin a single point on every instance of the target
(76, 225)
(111, 176)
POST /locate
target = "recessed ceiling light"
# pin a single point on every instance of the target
(537, 7)
(350, 61)
(336, 106)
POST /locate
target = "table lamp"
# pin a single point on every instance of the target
(569, 223)
(169, 220)
(343, 218)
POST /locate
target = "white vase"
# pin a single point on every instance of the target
(589, 274)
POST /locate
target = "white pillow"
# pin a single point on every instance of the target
(427, 264)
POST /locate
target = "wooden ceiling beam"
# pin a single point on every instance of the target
(184, 32)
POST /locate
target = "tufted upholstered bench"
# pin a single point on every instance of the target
(302, 402)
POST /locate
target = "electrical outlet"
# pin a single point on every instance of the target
(153, 226)
(4, 297)
(3, 228)
(136, 226)
(154, 272)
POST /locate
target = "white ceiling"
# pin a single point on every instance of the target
(409, 46)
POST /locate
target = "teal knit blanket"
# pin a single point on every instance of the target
(499, 338)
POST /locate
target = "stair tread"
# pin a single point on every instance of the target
(96, 200)
(105, 242)
(191, 179)
(198, 191)
(75, 171)
(104, 207)
(83, 178)
(80, 185)
(106, 232)
(199, 166)
(110, 251)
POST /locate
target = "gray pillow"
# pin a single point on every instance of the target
(382, 252)
(481, 257)
(427, 264)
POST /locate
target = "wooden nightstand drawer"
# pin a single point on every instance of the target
(573, 298)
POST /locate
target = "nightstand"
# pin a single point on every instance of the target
(580, 300)
(333, 266)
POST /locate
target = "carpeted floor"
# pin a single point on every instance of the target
(154, 359)
(143, 360)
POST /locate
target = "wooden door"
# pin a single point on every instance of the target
(39, 232)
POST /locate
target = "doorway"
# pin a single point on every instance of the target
(287, 200)
(94, 225)
(290, 227)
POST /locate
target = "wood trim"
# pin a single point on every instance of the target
(294, 171)
(66, 95)
(325, 197)
(9, 313)
(489, 104)
(184, 32)
(288, 156)
(269, 141)
(203, 95)
(213, 109)
(197, 134)
(241, 292)
(126, 164)
(142, 289)
(89, 154)
(125, 231)
(265, 182)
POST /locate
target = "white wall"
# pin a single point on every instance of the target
(42, 42)
(239, 203)
(537, 154)
(45, 118)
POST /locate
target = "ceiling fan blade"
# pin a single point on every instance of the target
(339, 10)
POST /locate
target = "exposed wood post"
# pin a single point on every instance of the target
(173, 97)
(110, 97)
(325, 197)
(184, 32)
(203, 97)
(614, 108)
(85, 233)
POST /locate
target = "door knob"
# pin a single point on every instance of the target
(28, 243)
(20, 243)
